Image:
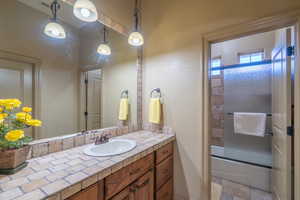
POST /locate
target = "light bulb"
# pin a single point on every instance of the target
(136, 39)
(85, 10)
(55, 30)
(104, 50)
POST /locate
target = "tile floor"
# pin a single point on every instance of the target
(226, 190)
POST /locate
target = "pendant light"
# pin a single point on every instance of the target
(85, 10)
(54, 29)
(103, 48)
(136, 38)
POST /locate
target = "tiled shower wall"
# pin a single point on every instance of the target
(217, 102)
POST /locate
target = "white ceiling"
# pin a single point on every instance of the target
(65, 14)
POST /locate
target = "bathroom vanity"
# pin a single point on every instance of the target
(148, 178)
(144, 173)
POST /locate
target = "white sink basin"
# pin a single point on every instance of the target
(113, 147)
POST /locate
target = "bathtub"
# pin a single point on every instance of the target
(247, 174)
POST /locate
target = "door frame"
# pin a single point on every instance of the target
(36, 84)
(265, 24)
(82, 121)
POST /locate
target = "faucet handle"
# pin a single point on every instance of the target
(84, 132)
(98, 140)
(107, 135)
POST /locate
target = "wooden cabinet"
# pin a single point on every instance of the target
(148, 178)
(164, 152)
(164, 173)
(166, 191)
(124, 195)
(143, 188)
(125, 176)
(94, 192)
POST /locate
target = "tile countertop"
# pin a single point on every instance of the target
(59, 175)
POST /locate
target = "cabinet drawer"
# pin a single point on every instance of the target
(143, 188)
(122, 178)
(164, 171)
(164, 152)
(166, 191)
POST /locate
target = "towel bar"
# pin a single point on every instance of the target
(269, 115)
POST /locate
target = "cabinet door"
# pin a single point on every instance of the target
(164, 171)
(143, 188)
(122, 178)
(124, 195)
(166, 191)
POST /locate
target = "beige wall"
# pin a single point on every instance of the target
(173, 53)
(22, 33)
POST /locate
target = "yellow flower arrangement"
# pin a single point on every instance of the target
(3, 116)
(33, 122)
(23, 116)
(14, 135)
(12, 123)
(10, 104)
(27, 109)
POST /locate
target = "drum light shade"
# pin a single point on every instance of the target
(85, 10)
(104, 50)
(55, 30)
(136, 39)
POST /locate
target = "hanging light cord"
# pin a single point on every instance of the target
(136, 15)
(55, 6)
(104, 34)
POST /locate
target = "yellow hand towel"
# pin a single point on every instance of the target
(124, 107)
(155, 110)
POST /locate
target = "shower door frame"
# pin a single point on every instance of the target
(270, 23)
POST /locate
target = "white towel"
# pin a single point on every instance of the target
(250, 123)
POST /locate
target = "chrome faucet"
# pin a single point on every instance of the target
(104, 138)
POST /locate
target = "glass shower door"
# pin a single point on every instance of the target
(247, 89)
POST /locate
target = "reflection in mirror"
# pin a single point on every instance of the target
(68, 83)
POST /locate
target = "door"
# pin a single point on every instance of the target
(281, 116)
(93, 106)
(16, 82)
(143, 188)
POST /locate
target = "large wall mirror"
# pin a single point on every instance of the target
(68, 83)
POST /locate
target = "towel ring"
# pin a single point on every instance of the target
(124, 92)
(157, 90)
